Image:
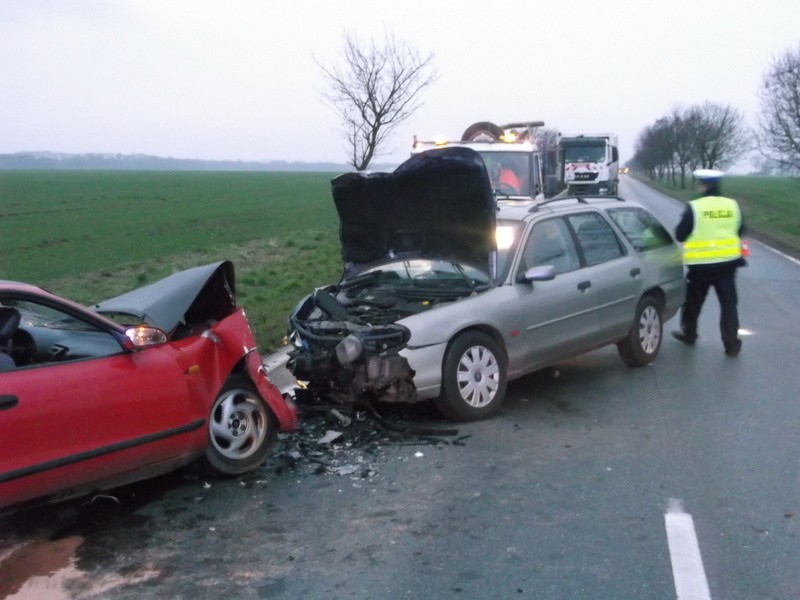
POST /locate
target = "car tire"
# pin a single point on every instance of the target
(640, 347)
(473, 378)
(241, 429)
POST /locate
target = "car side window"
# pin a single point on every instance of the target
(46, 335)
(550, 243)
(596, 238)
(641, 229)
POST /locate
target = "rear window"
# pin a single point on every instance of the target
(641, 229)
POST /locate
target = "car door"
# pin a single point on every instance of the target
(79, 410)
(614, 274)
(557, 313)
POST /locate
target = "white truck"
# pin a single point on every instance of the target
(590, 163)
(521, 161)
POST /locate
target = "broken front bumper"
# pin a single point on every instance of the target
(361, 366)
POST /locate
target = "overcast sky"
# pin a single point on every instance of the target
(238, 80)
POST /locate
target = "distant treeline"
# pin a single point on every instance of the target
(144, 162)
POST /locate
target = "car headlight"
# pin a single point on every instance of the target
(349, 350)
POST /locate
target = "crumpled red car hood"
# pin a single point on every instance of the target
(195, 295)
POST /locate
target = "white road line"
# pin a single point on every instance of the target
(684, 552)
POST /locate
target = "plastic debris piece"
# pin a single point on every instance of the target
(330, 436)
(346, 470)
(102, 497)
(343, 419)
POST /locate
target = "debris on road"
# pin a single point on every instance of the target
(349, 441)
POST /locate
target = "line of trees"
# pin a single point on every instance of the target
(714, 135)
(707, 136)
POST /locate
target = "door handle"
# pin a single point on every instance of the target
(635, 272)
(584, 285)
(7, 402)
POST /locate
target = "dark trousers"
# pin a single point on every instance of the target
(722, 279)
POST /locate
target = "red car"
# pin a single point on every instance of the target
(132, 388)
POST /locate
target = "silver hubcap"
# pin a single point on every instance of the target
(478, 376)
(238, 424)
(649, 330)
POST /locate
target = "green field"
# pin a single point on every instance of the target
(770, 205)
(92, 235)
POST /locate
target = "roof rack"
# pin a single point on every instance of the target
(580, 198)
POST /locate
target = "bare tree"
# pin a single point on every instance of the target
(779, 121)
(718, 135)
(376, 88)
(654, 150)
(683, 124)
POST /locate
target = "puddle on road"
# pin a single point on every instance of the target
(46, 569)
(39, 559)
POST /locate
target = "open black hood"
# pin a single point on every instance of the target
(437, 204)
(188, 297)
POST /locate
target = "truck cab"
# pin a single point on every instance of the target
(590, 163)
(513, 158)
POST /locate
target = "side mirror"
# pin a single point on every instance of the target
(144, 336)
(542, 273)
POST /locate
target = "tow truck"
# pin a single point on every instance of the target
(522, 163)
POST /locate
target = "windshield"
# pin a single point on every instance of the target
(585, 153)
(509, 172)
(38, 315)
(424, 273)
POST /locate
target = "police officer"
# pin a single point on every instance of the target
(711, 230)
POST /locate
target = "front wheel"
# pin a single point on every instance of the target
(241, 429)
(473, 378)
(640, 347)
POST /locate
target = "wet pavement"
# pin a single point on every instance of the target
(91, 547)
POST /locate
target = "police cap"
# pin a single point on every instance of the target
(708, 174)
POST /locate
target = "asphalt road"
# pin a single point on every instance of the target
(595, 481)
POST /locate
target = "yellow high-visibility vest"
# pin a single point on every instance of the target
(715, 237)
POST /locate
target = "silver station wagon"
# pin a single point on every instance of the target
(448, 293)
